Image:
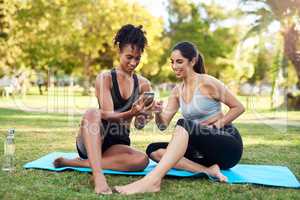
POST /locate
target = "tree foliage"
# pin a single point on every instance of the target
(76, 37)
(215, 41)
(287, 13)
(10, 36)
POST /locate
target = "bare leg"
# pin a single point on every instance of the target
(117, 157)
(89, 130)
(183, 163)
(173, 154)
(151, 182)
(186, 164)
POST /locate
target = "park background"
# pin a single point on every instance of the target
(61, 46)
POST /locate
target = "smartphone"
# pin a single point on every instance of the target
(148, 98)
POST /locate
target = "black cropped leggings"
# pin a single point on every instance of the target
(208, 146)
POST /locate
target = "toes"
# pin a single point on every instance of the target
(107, 191)
(118, 189)
(123, 190)
(115, 190)
(103, 192)
(224, 179)
(216, 172)
(58, 162)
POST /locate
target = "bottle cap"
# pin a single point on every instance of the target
(11, 133)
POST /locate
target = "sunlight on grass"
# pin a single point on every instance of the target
(40, 133)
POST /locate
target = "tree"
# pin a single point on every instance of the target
(76, 37)
(262, 62)
(215, 41)
(97, 25)
(9, 36)
(287, 14)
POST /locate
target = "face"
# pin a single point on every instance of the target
(181, 65)
(130, 57)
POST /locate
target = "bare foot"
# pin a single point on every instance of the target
(101, 186)
(62, 162)
(215, 171)
(146, 184)
(59, 162)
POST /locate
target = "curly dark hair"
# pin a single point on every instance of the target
(129, 34)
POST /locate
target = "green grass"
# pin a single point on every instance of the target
(266, 142)
(67, 98)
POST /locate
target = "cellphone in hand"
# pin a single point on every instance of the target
(148, 98)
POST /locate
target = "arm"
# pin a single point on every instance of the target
(163, 118)
(141, 120)
(103, 94)
(222, 94)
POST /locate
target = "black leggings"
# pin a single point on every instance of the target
(208, 146)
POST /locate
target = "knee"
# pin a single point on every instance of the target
(91, 121)
(158, 154)
(184, 125)
(181, 131)
(139, 162)
(153, 147)
(92, 115)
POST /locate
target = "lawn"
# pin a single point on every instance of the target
(266, 141)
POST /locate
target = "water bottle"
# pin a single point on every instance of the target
(9, 152)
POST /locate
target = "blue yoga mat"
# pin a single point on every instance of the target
(255, 174)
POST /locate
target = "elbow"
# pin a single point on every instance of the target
(161, 123)
(139, 126)
(238, 109)
(104, 115)
(242, 108)
(162, 127)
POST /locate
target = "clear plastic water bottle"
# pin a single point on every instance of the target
(9, 152)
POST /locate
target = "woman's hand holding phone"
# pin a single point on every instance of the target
(138, 107)
(148, 98)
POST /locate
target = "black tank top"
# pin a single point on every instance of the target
(120, 104)
(119, 130)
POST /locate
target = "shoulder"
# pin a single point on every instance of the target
(211, 86)
(144, 83)
(209, 81)
(142, 80)
(104, 75)
(103, 78)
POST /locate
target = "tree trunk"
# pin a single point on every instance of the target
(291, 39)
(293, 102)
(86, 77)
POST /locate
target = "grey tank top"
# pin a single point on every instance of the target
(200, 107)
